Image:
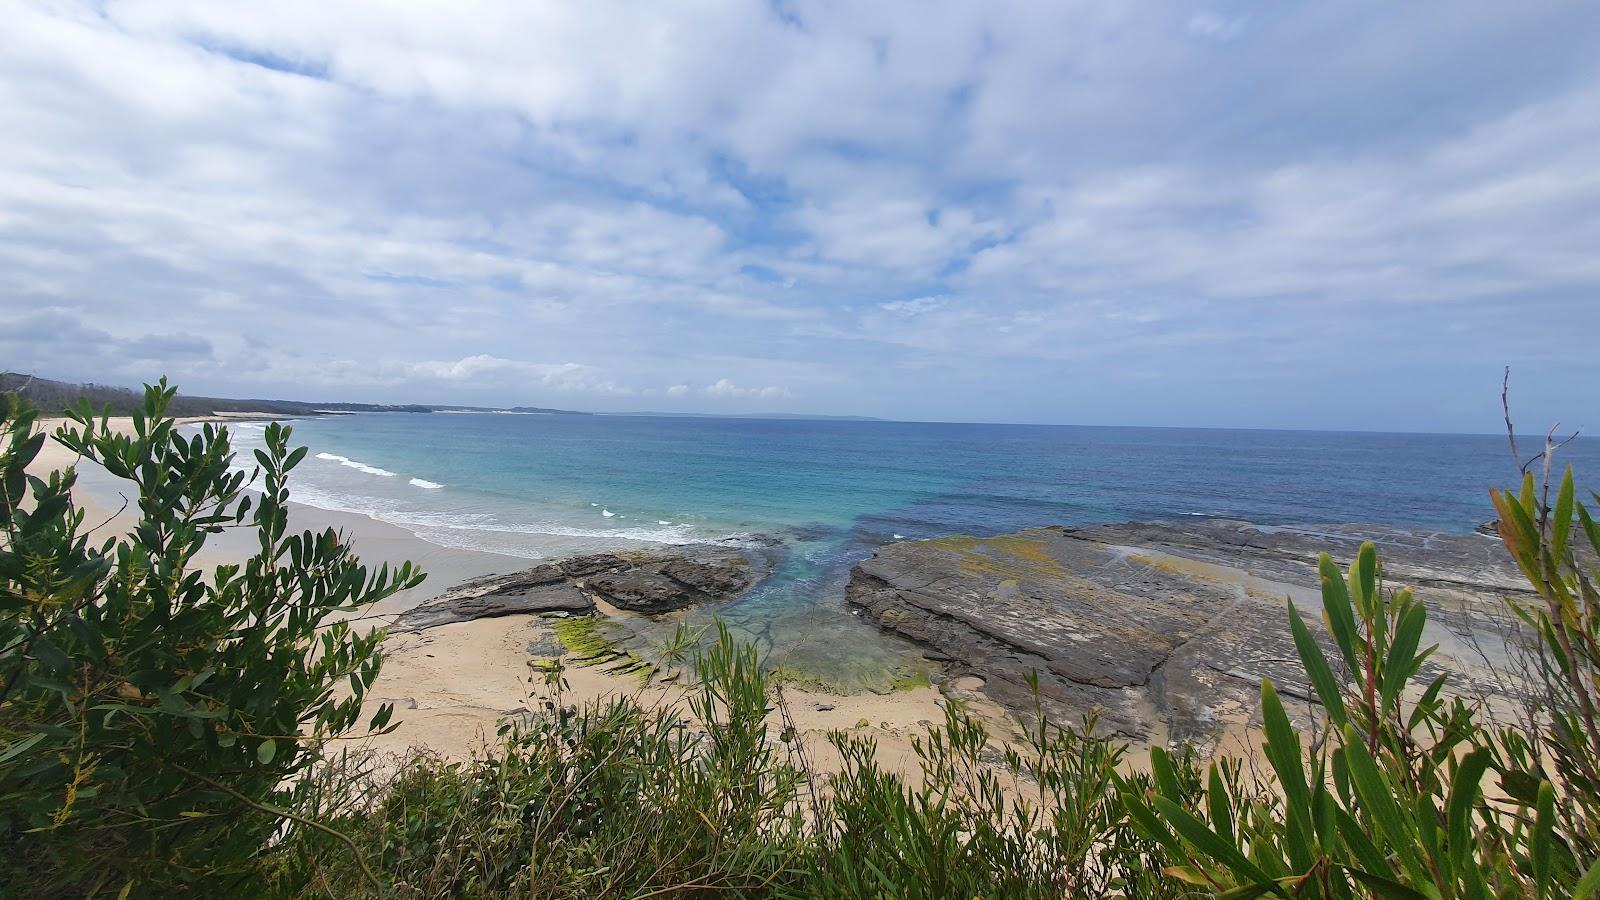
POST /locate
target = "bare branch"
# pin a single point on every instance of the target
(1511, 431)
(1551, 445)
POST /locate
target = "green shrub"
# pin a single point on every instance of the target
(1041, 820)
(154, 718)
(164, 731)
(1389, 801)
(1559, 561)
(604, 799)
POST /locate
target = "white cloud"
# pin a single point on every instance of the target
(517, 199)
(723, 389)
(913, 307)
(511, 373)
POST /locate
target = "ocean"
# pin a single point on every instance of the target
(538, 486)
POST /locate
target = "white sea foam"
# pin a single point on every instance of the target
(370, 470)
(899, 537)
(354, 464)
(662, 522)
(498, 530)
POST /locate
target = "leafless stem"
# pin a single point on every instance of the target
(1511, 430)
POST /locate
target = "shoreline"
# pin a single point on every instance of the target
(452, 684)
(1218, 582)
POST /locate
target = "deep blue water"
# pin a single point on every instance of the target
(544, 485)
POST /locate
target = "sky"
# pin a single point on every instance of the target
(1331, 215)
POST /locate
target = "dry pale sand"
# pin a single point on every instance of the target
(453, 684)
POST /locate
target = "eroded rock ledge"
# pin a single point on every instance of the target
(1165, 630)
(646, 581)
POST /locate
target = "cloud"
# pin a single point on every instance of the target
(913, 307)
(528, 200)
(53, 341)
(482, 369)
(723, 389)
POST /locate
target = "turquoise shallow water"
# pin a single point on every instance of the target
(536, 486)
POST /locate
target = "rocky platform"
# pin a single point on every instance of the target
(644, 581)
(1165, 630)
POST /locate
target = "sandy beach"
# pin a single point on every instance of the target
(452, 684)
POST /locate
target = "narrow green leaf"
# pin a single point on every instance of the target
(1562, 526)
(1364, 577)
(1165, 774)
(1590, 528)
(1518, 532)
(1283, 751)
(1336, 609)
(1425, 705)
(1544, 824)
(1210, 843)
(1464, 794)
(1218, 804)
(1317, 668)
(1398, 665)
(381, 717)
(1377, 798)
(1148, 824)
(20, 747)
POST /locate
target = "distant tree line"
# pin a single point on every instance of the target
(50, 396)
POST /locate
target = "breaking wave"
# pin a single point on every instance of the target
(355, 464)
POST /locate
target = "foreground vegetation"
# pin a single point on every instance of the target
(166, 731)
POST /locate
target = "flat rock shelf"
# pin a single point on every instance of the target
(1165, 630)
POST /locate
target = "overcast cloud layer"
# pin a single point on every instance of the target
(1289, 214)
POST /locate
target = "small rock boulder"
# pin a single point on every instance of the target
(594, 563)
(642, 591)
(540, 589)
(731, 577)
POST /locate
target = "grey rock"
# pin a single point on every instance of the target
(584, 566)
(1161, 630)
(647, 592)
(674, 584)
(540, 589)
(650, 581)
(720, 578)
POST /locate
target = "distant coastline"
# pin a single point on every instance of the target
(53, 395)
